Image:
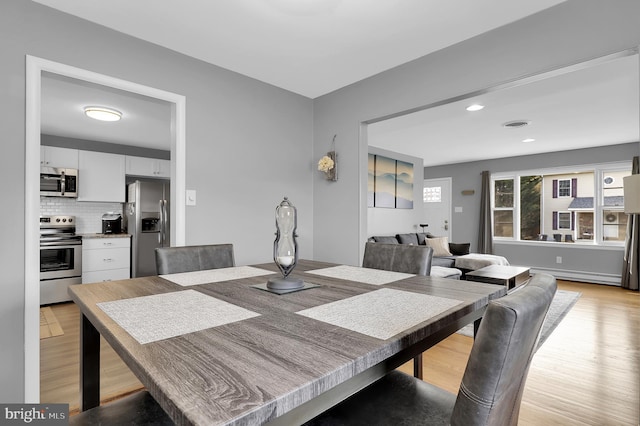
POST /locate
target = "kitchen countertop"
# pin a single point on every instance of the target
(105, 235)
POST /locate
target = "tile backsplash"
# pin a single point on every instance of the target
(88, 215)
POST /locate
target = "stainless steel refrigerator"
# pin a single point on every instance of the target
(147, 214)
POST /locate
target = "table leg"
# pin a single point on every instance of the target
(89, 365)
(417, 366)
(476, 326)
(417, 361)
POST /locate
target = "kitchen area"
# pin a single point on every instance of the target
(105, 170)
(96, 223)
(101, 217)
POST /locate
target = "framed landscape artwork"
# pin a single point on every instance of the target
(404, 185)
(390, 183)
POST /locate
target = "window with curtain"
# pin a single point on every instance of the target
(582, 204)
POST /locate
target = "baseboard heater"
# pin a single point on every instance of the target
(582, 276)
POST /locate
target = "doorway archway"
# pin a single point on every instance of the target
(34, 69)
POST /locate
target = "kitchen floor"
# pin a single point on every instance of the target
(60, 364)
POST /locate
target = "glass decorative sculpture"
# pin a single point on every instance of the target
(285, 247)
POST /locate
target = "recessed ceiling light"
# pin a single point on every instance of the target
(102, 113)
(528, 140)
(475, 107)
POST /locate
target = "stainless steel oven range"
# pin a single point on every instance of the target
(60, 258)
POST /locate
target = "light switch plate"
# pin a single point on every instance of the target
(191, 197)
(457, 209)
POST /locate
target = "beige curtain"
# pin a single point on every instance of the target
(485, 240)
(630, 268)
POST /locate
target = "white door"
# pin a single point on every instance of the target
(437, 206)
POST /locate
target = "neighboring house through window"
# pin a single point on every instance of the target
(581, 204)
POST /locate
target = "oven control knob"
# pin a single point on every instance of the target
(57, 219)
(70, 220)
(64, 220)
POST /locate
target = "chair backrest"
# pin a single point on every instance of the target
(406, 258)
(493, 382)
(172, 260)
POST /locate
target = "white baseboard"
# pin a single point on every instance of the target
(589, 277)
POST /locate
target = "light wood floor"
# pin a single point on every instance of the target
(60, 364)
(586, 373)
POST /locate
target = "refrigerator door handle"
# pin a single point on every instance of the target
(161, 227)
(163, 222)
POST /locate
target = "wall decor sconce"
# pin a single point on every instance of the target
(468, 192)
(328, 164)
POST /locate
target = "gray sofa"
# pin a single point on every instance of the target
(456, 249)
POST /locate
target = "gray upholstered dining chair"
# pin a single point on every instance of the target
(410, 259)
(493, 382)
(138, 408)
(172, 260)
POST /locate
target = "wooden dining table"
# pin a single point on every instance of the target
(216, 348)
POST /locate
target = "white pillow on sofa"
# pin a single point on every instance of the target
(439, 245)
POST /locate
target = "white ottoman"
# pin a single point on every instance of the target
(475, 261)
(442, 272)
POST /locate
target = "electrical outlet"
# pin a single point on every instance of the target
(558, 259)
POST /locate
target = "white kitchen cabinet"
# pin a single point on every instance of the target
(105, 259)
(52, 156)
(148, 167)
(101, 177)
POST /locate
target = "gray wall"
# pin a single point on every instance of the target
(248, 145)
(592, 264)
(572, 32)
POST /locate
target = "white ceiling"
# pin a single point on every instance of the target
(313, 47)
(594, 106)
(310, 47)
(146, 122)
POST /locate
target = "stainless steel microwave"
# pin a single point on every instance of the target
(58, 182)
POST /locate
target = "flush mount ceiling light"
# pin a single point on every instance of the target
(475, 107)
(102, 113)
(516, 124)
(528, 140)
